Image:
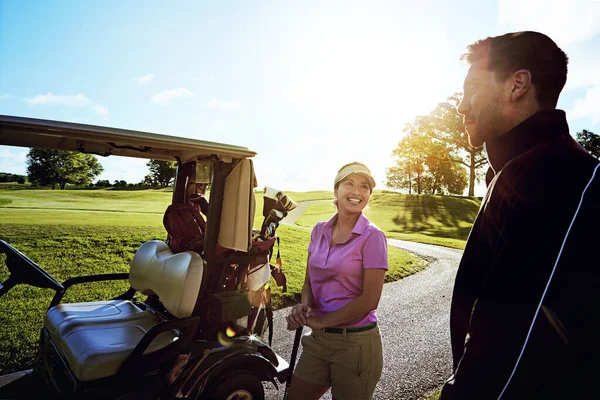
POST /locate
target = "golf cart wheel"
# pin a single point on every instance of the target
(237, 385)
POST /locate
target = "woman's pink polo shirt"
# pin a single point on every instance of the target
(336, 272)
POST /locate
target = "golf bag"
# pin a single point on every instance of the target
(185, 227)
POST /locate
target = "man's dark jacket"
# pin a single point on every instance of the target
(525, 310)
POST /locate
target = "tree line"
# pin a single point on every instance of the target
(434, 155)
(8, 177)
(60, 168)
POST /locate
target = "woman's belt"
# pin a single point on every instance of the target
(349, 330)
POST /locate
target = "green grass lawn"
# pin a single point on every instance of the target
(72, 233)
(13, 185)
(153, 200)
(312, 195)
(441, 220)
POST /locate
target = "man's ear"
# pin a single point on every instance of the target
(520, 84)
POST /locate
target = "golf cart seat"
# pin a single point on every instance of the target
(96, 338)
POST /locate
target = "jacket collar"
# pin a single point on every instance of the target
(541, 125)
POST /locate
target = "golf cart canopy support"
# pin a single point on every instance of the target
(105, 141)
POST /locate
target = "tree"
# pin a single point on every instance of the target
(439, 145)
(424, 163)
(445, 175)
(399, 176)
(148, 181)
(51, 167)
(162, 172)
(590, 141)
(8, 177)
(446, 124)
(410, 163)
(22, 180)
(103, 183)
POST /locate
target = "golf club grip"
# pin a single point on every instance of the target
(293, 359)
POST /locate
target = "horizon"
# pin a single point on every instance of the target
(308, 86)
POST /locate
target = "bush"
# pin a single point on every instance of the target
(22, 180)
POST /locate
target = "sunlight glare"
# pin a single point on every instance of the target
(362, 86)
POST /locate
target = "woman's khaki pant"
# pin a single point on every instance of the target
(349, 363)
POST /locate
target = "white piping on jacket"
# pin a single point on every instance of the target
(549, 281)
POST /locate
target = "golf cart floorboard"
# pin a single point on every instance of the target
(23, 385)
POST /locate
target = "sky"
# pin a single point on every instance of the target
(308, 85)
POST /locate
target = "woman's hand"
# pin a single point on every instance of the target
(315, 323)
(297, 317)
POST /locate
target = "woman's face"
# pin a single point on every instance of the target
(353, 193)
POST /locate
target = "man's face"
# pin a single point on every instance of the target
(482, 104)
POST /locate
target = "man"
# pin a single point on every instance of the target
(525, 304)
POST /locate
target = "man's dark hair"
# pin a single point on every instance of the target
(528, 50)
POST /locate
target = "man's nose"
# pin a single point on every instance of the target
(462, 107)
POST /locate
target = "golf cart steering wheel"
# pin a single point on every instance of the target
(23, 270)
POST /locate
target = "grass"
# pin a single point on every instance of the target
(434, 395)
(72, 233)
(312, 195)
(13, 185)
(154, 200)
(440, 220)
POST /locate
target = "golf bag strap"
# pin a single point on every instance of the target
(280, 264)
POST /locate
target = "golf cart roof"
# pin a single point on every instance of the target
(105, 141)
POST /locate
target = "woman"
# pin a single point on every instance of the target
(347, 261)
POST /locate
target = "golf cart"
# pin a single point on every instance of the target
(192, 322)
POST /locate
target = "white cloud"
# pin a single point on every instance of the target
(588, 107)
(167, 96)
(224, 105)
(101, 111)
(12, 160)
(583, 71)
(143, 80)
(51, 99)
(565, 21)
(131, 170)
(5, 96)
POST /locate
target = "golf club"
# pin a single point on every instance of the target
(292, 361)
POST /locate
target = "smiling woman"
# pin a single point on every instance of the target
(347, 261)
